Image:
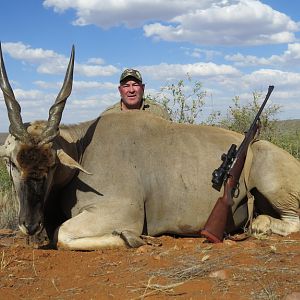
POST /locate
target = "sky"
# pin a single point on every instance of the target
(233, 47)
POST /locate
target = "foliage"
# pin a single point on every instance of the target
(184, 101)
(240, 117)
(8, 203)
(5, 182)
(288, 141)
(9, 210)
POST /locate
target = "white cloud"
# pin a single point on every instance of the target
(78, 85)
(24, 52)
(290, 57)
(98, 102)
(91, 71)
(247, 22)
(30, 96)
(95, 61)
(241, 60)
(282, 79)
(131, 13)
(47, 85)
(88, 85)
(34, 104)
(210, 22)
(207, 55)
(178, 71)
(50, 62)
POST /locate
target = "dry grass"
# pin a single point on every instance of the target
(9, 210)
(153, 289)
(8, 204)
(190, 269)
(5, 261)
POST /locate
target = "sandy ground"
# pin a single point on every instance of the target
(165, 268)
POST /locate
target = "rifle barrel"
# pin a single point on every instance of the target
(270, 90)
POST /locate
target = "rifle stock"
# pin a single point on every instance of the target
(229, 174)
(215, 225)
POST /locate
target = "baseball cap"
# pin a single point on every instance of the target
(131, 73)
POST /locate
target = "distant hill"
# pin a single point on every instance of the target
(288, 126)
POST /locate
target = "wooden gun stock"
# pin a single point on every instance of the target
(215, 225)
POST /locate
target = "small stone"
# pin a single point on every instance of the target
(221, 274)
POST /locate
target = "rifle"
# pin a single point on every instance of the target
(229, 174)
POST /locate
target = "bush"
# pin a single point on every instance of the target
(184, 101)
(9, 211)
(5, 181)
(289, 142)
(240, 117)
(8, 203)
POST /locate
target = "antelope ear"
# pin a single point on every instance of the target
(68, 161)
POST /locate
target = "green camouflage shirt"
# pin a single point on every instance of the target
(147, 105)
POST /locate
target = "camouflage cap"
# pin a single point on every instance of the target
(131, 73)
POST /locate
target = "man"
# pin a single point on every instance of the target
(131, 90)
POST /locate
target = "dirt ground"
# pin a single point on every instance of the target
(165, 268)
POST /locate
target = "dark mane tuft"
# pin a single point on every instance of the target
(35, 160)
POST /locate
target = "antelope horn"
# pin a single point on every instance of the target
(56, 110)
(16, 128)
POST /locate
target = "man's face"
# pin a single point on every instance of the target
(131, 91)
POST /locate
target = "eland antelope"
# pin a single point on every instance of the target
(149, 176)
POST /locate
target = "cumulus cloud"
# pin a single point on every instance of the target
(290, 57)
(78, 85)
(88, 85)
(279, 78)
(50, 62)
(130, 13)
(24, 52)
(206, 22)
(96, 61)
(201, 53)
(96, 103)
(91, 71)
(178, 71)
(247, 22)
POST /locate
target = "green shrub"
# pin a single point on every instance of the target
(9, 211)
(185, 101)
(5, 181)
(240, 117)
(289, 142)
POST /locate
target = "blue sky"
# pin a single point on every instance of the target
(233, 47)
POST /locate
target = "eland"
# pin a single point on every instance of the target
(105, 182)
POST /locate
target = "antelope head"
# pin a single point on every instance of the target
(30, 154)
